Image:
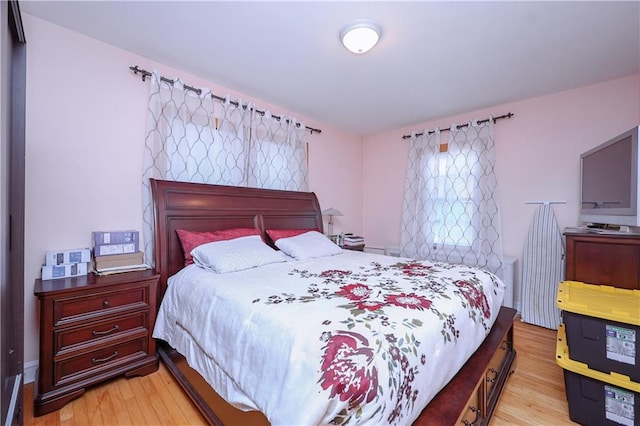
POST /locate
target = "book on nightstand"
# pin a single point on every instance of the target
(121, 269)
(60, 257)
(50, 272)
(117, 263)
(65, 263)
(119, 260)
(352, 240)
(110, 243)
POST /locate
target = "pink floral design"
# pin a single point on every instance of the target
(415, 269)
(411, 301)
(355, 292)
(475, 297)
(348, 364)
(345, 369)
(370, 305)
(334, 273)
(406, 394)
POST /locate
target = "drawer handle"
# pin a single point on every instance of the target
(478, 415)
(495, 375)
(101, 360)
(105, 303)
(102, 333)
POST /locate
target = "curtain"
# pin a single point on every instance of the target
(278, 154)
(192, 138)
(451, 199)
(421, 196)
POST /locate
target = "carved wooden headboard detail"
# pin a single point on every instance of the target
(204, 207)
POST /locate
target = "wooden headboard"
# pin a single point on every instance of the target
(203, 207)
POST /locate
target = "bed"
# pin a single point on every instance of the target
(312, 312)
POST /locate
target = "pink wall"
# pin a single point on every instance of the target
(537, 157)
(84, 141)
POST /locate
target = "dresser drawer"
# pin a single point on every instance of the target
(472, 414)
(92, 363)
(97, 304)
(494, 368)
(69, 339)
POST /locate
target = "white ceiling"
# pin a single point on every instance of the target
(435, 59)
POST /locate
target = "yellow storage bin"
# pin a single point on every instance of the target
(600, 301)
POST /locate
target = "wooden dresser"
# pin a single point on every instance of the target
(92, 329)
(606, 259)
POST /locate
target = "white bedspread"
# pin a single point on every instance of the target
(350, 339)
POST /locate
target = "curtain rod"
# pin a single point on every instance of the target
(137, 70)
(448, 129)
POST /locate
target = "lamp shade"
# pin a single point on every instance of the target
(332, 212)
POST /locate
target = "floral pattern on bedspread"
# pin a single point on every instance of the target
(370, 339)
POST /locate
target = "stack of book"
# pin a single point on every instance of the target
(117, 251)
(353, 242)
(65, 263)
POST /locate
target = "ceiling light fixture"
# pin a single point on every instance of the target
(360, 36)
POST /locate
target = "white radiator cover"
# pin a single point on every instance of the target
(392, 251)
(508, 273)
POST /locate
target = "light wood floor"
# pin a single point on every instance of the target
(534, 394)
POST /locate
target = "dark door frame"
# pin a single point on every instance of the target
(13, 181)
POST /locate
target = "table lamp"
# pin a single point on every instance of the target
(331, 212)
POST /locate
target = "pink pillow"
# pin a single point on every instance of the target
(190, 239)
(276, 234)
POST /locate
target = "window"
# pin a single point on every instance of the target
(450, 211)
(454, 205)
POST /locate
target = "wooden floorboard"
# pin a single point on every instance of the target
(534, 394)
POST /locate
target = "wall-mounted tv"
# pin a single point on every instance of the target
(609, 182)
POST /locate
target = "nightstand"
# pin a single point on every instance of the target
(93, 329)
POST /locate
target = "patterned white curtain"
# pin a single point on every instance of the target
(451, 199)
(278, 154)
(419, 212)
(191, 138)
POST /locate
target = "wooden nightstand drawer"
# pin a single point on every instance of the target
(69, 339)
(92, 363)
(87, 306)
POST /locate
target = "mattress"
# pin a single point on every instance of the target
(347, 339)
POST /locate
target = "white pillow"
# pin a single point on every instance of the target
(307, 246)
(235, 255)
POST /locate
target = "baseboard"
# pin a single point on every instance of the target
(30, 371)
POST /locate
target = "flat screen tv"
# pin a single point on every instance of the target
(609, 182)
